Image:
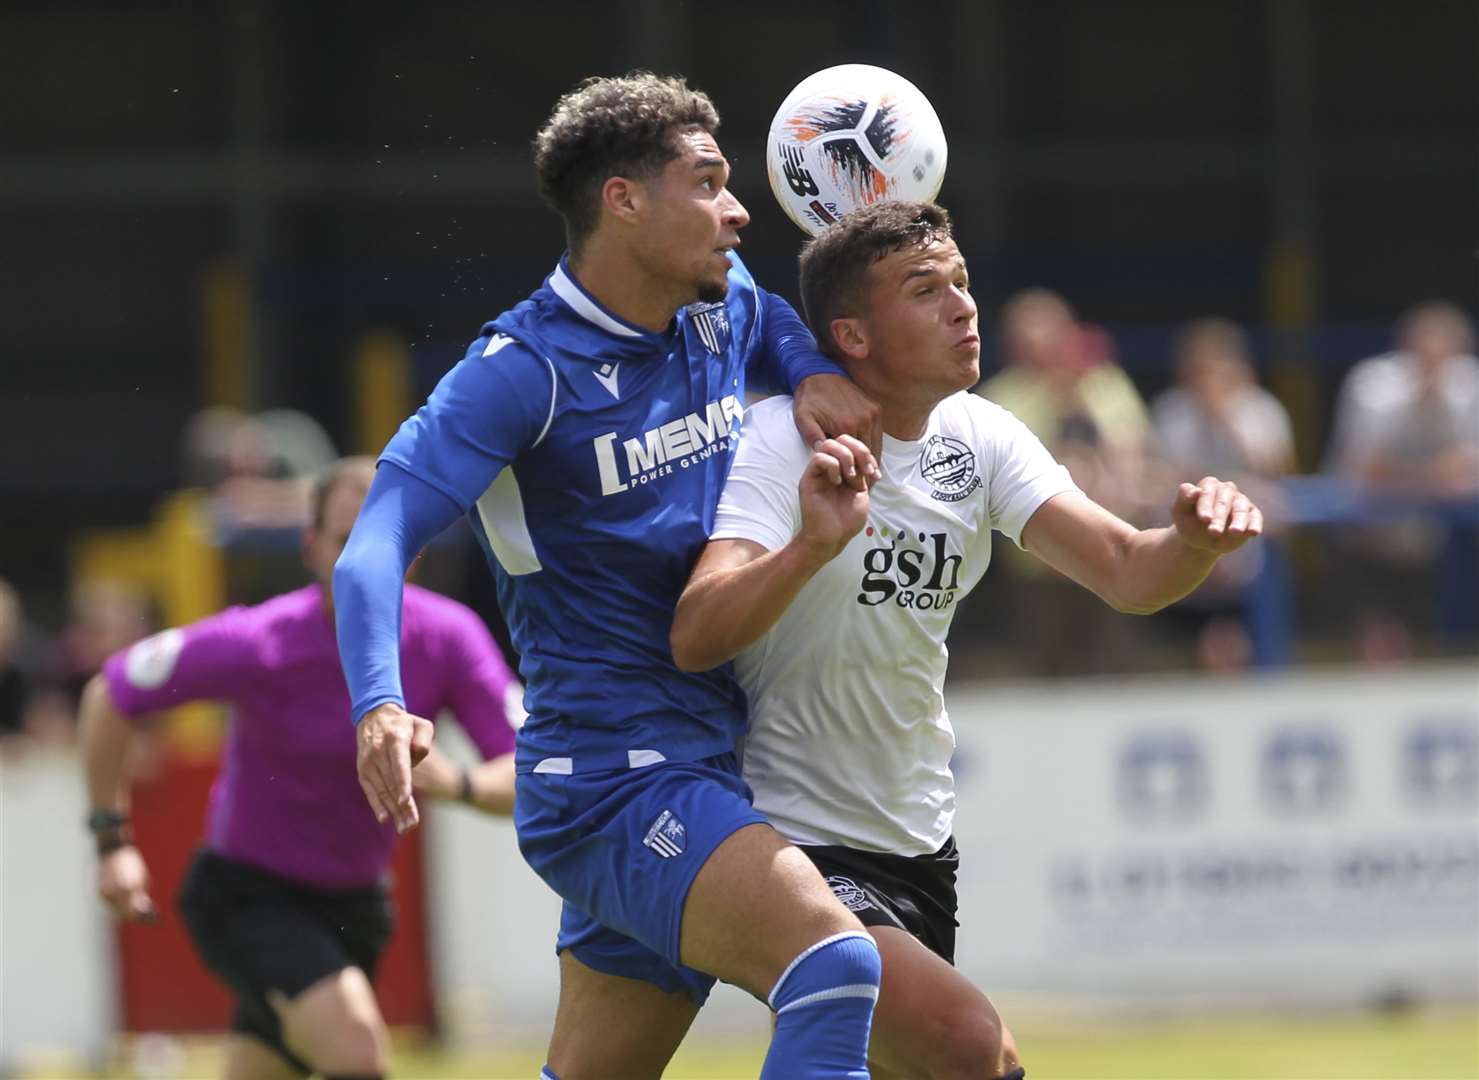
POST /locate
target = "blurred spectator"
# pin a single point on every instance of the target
(30, 705)
(1408, 421)
(106, 616)
(1407, 426)
(1061, 380)
(259, 469)
(1217, 420)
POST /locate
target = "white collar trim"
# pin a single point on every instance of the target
(573, 295)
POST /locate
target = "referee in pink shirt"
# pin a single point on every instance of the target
(286, 900)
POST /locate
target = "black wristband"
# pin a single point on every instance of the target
(105, 820)
(466, 793)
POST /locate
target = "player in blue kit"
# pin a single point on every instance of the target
(587, 434)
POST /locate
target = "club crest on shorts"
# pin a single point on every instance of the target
(711, 322)
(667, 836)
(950, 467)
(848, 893)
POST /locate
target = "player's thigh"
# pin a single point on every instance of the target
(608, 1027)
(754, 906)
(249, 1058)
(931, 1022)
(336, 1025)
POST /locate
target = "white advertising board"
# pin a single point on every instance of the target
(1311, 839)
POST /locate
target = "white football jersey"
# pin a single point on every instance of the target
(849, 742)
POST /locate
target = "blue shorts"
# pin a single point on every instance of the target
(622, 847)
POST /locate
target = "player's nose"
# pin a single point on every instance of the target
(735, 214)
(964, 309)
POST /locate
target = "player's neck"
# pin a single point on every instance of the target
(625, 289)
(906, 424)
(904, 418)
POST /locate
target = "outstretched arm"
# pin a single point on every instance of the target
(400, 516)
(122, 876)
(739, 588)
(1139, 571)
(488, 785)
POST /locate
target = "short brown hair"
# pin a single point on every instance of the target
(834, 266)
(614, 126)
(361, 469)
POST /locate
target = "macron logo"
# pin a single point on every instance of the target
(606, 376)
(685, 441)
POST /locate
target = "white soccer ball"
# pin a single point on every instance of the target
(849, 136)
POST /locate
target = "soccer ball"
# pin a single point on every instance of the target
(849, 136)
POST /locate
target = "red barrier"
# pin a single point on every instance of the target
(164, 985)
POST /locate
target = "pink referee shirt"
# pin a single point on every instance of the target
(288, 799)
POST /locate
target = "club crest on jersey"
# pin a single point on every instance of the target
(848, 893)
(711, 323)
(667, 836)
(949, 466)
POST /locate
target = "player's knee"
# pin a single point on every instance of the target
(968, 1044)
(355, 1047)
(336, 1026)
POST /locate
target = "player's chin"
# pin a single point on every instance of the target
(712, 289)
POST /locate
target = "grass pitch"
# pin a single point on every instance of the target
(1428, 1045)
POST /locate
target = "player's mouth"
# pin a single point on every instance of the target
(970, 341)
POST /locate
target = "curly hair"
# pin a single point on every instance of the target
(612, 126)
(834, 265)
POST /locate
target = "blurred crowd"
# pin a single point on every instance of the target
(1404, 448)
(256, 473)
(1403, 451)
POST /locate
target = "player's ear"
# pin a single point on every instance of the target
(621, 197)
(850, 337)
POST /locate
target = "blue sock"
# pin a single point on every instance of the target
(547, 1073)
(823, 1006)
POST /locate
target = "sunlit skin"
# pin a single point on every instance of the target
(663, 241)
(919, 342)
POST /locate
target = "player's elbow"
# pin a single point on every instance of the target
(346, 571)
(685, 653)
(689, 649)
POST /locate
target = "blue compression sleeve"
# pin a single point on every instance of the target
(789, 347)
(400, 516)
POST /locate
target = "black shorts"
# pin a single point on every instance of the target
(260, 932)
(912, 892)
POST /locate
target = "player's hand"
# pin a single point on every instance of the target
(833, 509)
(391, 740)
(123, 884)
(1215, 516)
(832, 405)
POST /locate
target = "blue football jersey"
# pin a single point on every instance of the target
(589, 454)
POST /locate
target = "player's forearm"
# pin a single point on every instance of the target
(105, 734)
(1157, 568)
(492, 786)
(726, 611)
(400, 516)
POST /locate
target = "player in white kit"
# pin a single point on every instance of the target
(835, 604)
